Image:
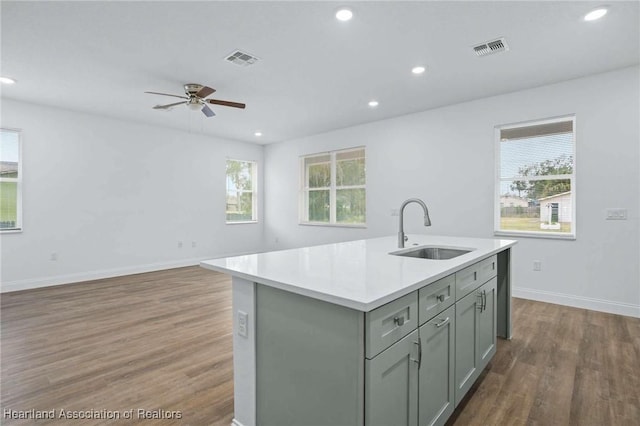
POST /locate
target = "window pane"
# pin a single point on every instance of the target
(319, 175)
(9, 153)
(537, 156)
(541, 206)
(239, 175)
(350, 168)
(350, 205)
(319, 206)
(239, 206)
(8, 205)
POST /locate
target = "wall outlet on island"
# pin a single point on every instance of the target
(243, 319)
(537, 265)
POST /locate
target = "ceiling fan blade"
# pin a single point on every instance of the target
(168, 105)
(166, 94)
(207, 111)
(205, 91)
(225, 103)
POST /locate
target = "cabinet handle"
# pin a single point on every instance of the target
(399, 321)
(484, 300)
(479, 307)
(475, 275)
(440, 297)
(419, 360)
(443, 322)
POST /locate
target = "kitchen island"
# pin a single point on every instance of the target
(350, 334)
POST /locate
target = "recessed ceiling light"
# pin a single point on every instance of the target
(344, 14)
(258, 134)
(373, 104)
(417, 70)
(596, 14)
(7, 80)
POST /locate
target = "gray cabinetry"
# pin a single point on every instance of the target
(391, 384)
(475, 320)
(436, 383)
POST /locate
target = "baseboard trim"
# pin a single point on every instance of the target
(626, 309)
(32, 283)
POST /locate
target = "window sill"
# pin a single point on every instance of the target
(335, 225)
(540, 235)
(11, 231)
(244, 222)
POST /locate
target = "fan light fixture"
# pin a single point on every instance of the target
(344, 14)
(596, 14)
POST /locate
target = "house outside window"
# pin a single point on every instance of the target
(535, 179)
(242, 191)
(10, 181)
(333, 188)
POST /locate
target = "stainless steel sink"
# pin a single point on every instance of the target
(434, 253)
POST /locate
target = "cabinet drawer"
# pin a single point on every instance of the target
(436, 297)
(475, 275)
(389, 323)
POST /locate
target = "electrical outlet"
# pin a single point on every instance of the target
(395, 212)
(193, 244)
(179, 244)
(537, 265)
(243, 324)
(616, 214)
(54, 256)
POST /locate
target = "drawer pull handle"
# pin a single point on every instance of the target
(399, 321)
(475, 276)
(443, 322)
(440, 297)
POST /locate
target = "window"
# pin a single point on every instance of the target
(333, 190)
(242, 188)
(535, 179)
(10, 181)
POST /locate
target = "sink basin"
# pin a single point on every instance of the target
(434, 253)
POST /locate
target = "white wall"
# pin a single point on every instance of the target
(111, 197)
(446, 157)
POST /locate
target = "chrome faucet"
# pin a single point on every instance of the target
(427, 222)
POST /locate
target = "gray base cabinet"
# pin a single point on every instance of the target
(391, 385)
(407, 363)
(475, 336)
(436, 390)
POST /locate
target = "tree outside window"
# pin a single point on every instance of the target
(241, 191)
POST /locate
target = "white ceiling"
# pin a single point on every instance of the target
(315, 73)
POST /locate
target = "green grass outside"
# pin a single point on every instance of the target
(529, 224)
(8, 201)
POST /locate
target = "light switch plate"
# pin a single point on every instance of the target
(616, 214)
(243, 324)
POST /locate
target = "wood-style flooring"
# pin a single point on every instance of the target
(162, 342)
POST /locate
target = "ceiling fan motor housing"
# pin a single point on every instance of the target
(192, 88)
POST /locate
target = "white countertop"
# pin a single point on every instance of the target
(357, 274)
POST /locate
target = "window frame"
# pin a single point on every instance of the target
(497, 231)
(303, 197)
(254, 193)
(19, 187)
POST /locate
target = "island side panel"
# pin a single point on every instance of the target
(310, 361)
(504, 294)
(244, 354)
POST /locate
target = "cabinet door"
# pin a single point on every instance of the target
(487, 323)
(391, 390)
(466, 336)
(436, 395)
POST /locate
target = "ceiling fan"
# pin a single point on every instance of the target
(195, 99)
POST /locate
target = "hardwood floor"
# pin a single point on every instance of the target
(161, 342)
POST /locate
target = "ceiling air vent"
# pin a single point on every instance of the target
(241, 58)
(489, 47)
